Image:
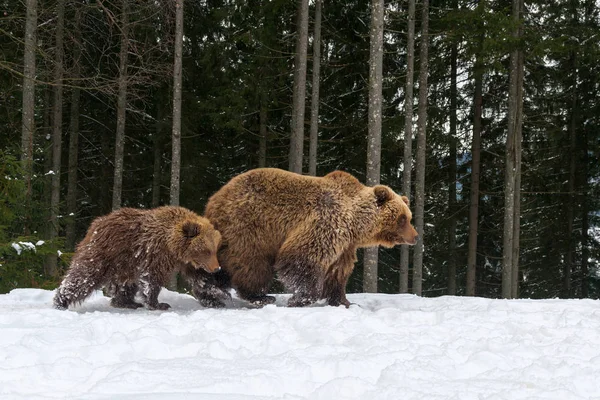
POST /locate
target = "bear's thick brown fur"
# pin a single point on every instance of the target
(304, 229)
(131, 250)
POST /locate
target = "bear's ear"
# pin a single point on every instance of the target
(405, 199)
(190, 229)
(382, 194)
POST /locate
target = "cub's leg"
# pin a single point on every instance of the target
(82, 279)
(149, 289)
(123, 296)
(211, 290)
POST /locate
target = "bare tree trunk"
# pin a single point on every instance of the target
(73, 141)
(57, 118)
(512, 148)
(28, 123)
(121, 108)
(298, 104)
(314, 103)
(517, 200)
(374, 139)
(408, 134)
(568, 267)
(471, 287)
(176, 139)
(452, 173)
(262, 144)
(421, 143)
(158, 152)
(585, 251)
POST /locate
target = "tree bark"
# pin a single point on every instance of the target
(568, 266)
(421, 146)
(28, 122)
(374, 136)
(299, 95)
(73, 141)
(408, 134)
(314, 103)
(471, 287)
(57, 117)
(512, 161)
(452, 173)
(585, 251)
(262, 144)
(158, 152)
(518, 153)
(121, 108)
(176, 138)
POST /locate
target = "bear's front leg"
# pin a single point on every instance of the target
(150, 289)
(301, 277)
(334, 288)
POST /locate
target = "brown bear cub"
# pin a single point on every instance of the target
(304, 229)
(133, 250)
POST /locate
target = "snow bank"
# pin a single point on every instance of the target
(389, 347)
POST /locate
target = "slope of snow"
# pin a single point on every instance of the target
(385, 347)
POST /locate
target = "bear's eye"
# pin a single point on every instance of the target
(402, 221)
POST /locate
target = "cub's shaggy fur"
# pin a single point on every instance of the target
(131, 250)
(304, 229)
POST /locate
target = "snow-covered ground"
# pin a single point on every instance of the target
(385, 347)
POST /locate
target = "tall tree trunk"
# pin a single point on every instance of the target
(314, 103)
(512, 165)
(421, 146)
(57, 117)
(158, 152)
(121, 108)
(374, 138)
(475, 166)
(408, 134)
(176, 139)
(73, 140)
(262, 144)
(452, 172)
(298, 104)
(518, 152)
(28, 122)
(585, 251)
(568, 266)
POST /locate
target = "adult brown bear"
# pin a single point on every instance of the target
(131, 250)
(304, 229)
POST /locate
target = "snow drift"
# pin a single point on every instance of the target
(385, 347)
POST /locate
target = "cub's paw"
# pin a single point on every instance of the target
(158, 306)
(261, 301)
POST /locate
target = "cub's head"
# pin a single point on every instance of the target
(394, 218)
(196, 242)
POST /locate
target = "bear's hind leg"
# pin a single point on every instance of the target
(124, 296)
(79, 283)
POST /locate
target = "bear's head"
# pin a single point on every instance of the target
(394, 218)
(196, 242)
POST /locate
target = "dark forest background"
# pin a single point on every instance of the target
(238, 86)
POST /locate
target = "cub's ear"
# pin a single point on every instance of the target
(405, 199)
(190, 229)
(383, 194)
